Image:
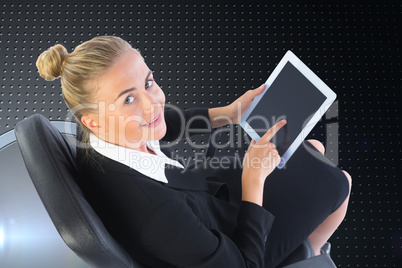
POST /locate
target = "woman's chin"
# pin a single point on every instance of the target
(158, 132)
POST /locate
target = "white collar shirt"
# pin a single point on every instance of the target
(150, 165)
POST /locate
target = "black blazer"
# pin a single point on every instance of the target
(188, 222)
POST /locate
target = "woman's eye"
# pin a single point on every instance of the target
(149, 83)
(129, 100)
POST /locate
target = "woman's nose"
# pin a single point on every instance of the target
(147, 102)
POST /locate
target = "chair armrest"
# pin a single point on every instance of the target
(209, 152)
(213, 139)
(309, 260)
(320, 261)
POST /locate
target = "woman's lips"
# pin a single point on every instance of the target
(154, 121)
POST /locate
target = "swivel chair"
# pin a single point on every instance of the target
(50, 160)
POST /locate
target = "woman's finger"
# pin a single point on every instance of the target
(251, 144)
(259, 89)
(271, 132)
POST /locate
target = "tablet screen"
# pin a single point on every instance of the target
(291, 96)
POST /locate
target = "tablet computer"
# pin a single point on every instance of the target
(292, 92)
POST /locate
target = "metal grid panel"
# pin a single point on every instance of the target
(207, 54)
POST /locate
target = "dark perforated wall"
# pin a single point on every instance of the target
(207, 54)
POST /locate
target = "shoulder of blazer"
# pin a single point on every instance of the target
(119, 181)
(117, 174)
(178, 120)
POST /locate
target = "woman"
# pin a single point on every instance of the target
(164, 217)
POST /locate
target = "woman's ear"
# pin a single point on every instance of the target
(90, 123)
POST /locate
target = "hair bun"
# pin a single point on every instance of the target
(50, 62)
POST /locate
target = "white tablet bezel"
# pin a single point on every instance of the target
(315, 80)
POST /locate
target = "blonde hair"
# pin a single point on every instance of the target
(79, 71)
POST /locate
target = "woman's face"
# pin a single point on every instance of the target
(128, 99)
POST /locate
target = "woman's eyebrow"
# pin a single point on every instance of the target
(133, 88)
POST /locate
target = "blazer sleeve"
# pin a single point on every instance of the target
(195, 120)
(175, 235)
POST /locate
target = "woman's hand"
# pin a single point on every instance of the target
(259, 161)
(240, 105)
(232, 113)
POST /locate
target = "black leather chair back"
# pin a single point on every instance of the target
(50, 161)
(51, 164)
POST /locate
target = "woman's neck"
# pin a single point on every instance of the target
(142, 148)
(145, 149)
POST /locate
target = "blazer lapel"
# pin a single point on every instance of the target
(179, 178)
(169, 153)
(190, 180)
